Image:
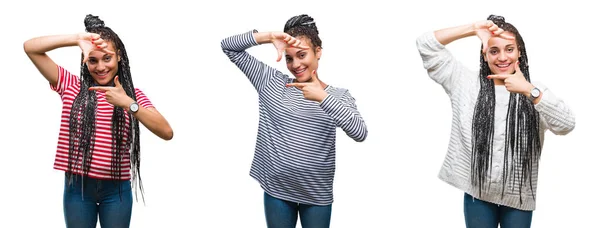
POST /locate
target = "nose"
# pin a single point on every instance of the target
(295, 63)
(100, 66)
(502, 56)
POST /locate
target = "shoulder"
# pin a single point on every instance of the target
(338, 92)
(139, 93)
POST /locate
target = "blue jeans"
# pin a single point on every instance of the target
(98, 198)
(481, 214)
(284, 214)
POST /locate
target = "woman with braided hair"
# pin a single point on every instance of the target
(99, 139)
(294, 159)
(499, 120)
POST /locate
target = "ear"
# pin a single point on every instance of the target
(484, 56)
(318, 52)
(118, 55)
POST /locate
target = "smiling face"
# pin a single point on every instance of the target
(502, 54)
(102, 66)
(301, 62)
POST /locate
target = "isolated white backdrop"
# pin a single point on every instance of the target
(201, 177)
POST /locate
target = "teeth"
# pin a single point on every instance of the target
(300, 71)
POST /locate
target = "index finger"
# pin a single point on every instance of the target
(297, 85)
(506, 36)
(105, 50)
(302, 46)
(99, 88)
(498, 76)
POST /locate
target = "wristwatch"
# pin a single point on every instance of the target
(134, 107)
(534, 93)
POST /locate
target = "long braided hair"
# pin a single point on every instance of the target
(522, 145)
(82, 122)
(303, 25)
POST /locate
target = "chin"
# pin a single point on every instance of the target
(103, 82)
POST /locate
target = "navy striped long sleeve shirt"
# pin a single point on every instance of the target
(294, 156)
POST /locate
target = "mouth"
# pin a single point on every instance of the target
(102, 75)
(299, 72)
(503, 66)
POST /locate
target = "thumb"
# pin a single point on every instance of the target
(117, 83)
(517, 68)
(85, 57)
(279, 54)
(314, 77)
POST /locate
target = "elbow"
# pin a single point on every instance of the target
(361, 137)
(26, 46)
(224, 45)
(167, 135)
(567, 127)
(566, 130)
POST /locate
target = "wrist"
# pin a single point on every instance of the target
(322, 97)
(472, 30)
(263, 37)
(528, 89)
(75, 38)
(125, 105)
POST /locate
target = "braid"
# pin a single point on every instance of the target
(522, 145)
(303, 25)
(125, 128)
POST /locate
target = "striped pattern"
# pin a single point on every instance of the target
(294, 157)
(68, 87)
(462, 86)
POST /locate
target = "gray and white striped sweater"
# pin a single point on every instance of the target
(294, 156)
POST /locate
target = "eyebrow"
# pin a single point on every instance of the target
(508, 45)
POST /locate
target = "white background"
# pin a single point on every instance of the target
(201, 177)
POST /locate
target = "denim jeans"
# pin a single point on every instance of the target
(284, 214)
(83, 205)
(481, 214)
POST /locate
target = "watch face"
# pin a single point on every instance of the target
(133, 107)
(535, 92)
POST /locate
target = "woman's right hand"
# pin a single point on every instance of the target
(282, 40)
(486, 29)
(89, 42)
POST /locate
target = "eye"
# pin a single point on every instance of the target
(288, 59)
(92, 61)
(493, 51)
(510, 49)
(107, 58)
(302, 55)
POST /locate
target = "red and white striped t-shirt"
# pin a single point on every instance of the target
(68, 87)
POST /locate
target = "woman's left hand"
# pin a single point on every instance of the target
(312, 90)
(115, 95)
(515, 83)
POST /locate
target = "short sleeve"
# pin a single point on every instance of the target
(65, 80)
(142, 99)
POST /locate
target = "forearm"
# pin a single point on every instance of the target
(41, 45)
(154, 122)
(256, 71)
(448, 35)
(556, 114)
(346, 117)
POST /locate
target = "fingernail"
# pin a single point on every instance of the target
(488, 77)
(98, 46)
(314, 71)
